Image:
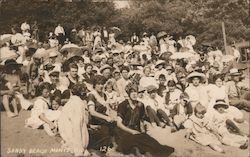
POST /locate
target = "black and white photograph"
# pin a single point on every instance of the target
(125, 78)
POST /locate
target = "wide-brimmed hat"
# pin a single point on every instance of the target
(141, 89)
(53, 54)
(234, 72)
(151, 88)
(169, 67)
(11, 62)
(159, 62)
(105, 67)
(54, 73)
(196, 74)
(220, 103)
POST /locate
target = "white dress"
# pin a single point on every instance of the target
(41, 105)
(72, 125)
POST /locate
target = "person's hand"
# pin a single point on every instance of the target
(11, 92)
(109, 119)
(134, 132)
(52, 126)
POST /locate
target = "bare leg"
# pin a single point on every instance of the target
(14, 104)
(6, 106)
(216, 148)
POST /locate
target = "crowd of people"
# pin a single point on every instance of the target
(99, 93)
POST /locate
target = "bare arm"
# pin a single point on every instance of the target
(93, 112)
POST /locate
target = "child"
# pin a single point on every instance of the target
(112, 98)
(182, 111)
(157, 113)
(40, 113)
(162, 85)
(53, 114)
(198, 131)
(221, 124)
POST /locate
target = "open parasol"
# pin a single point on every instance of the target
(6, 53)
(227, 58)
(161, 34)
(182, 55)
(5, 38)
(73, 49)
(115, 29)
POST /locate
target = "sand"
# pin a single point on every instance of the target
(16, 139)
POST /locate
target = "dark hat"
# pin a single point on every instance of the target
(151, 88)
(220, 103)
(11, 62)
(54, 73)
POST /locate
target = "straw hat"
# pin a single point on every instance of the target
(160, 62)
(220, 103)
(53, 54)
(54, 73)
(234, 72)
(105, 67)
(196, 74)
(151, 88)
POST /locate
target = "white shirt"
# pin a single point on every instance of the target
(58, 30)
(197, 94)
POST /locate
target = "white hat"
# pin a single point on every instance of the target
(73, 30)
(105, 67)
(53, 54)
(234, 72)
(196, 74)
(220, 103)
(160, 62)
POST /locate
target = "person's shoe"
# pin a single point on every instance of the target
(244, 146)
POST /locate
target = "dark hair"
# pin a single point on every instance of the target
(65, 94)
(73, 65)
(44, 85)
(56, 96)
(87, 65)
(218, 76)
(162, 76)
(99, 79)
(131, 88)
(80, 90)
(124, 68)
(171, 83)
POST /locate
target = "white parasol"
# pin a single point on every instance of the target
(6, 53)
(182, 55)
(72, 48)
(161, 34)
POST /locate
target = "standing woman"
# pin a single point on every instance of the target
(12, 84)
(129, 134)
(73, 121)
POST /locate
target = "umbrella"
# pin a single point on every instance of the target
(115, 29)
(227, 58)
(191, 38)
(41, 53)
(181, 55)
(5, 38)
(72, 48)
(161, 34)
(6, 53)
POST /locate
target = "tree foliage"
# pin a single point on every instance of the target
(201, 18)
